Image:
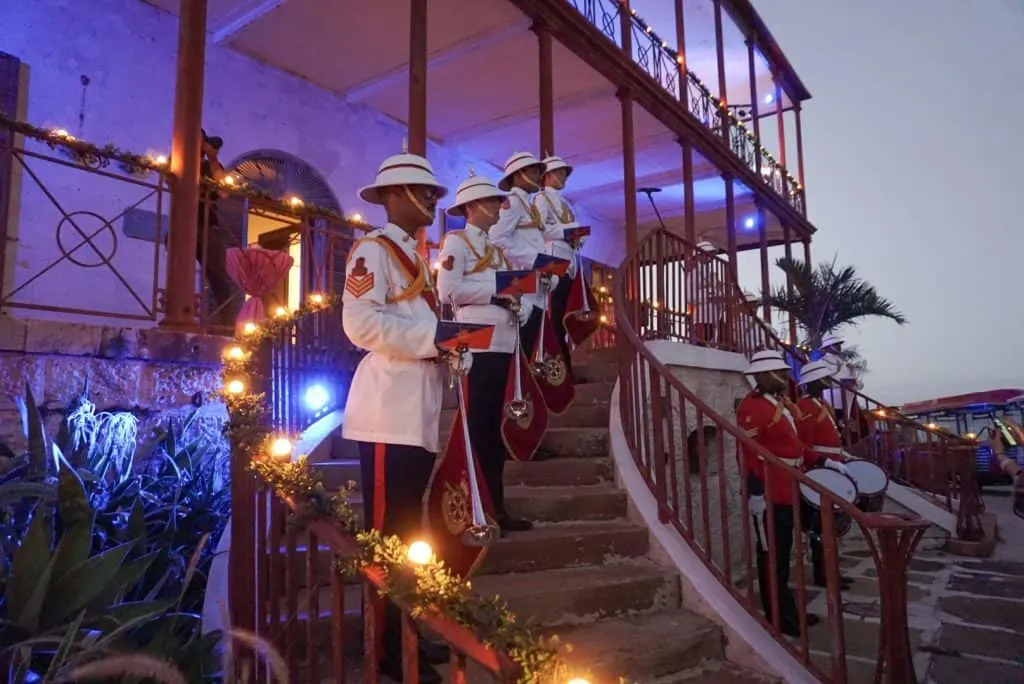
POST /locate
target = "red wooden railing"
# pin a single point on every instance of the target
(690, 457)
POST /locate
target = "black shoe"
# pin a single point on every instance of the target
(542, 454)
(844, 582)
(791, 626)
(509, 524)
(393, 671)
(434, 653)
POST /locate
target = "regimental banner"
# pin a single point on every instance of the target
(554, 382)
(523, 433)
(551, 265)
(581, 322)
(515, 283)
(450, 505)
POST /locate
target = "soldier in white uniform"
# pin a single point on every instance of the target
(556, 216)
(467, 277)
(393, 409)
(703, 293)
(520, 232)
(830, 353)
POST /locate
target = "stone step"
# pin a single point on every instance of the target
(608, 356)
(714, 671)
(593, 393)
(547, 547)
(589, 371)
(577, 442)
(642, 648)
(559, 472)
(567, 595)
(576, 416)
(560, 504)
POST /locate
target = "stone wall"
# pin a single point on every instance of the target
(718, 507)
(157, 375)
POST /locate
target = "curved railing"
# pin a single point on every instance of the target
(692, 457)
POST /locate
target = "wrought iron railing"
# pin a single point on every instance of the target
(693, 460)
(651, 53)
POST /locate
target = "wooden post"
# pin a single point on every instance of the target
(754, 104)
(780, 116)
(629, 171)
(547, 88)
(723, 94)
(730, 220)
(626, 29)
(684, 93)
(766, 284)
(10, 80)
(807, 251)
(800, 157)
(180, 289)
(689, 208)
(418, 94)
(789, 281)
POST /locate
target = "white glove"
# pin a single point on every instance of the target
(554, 283)
(756, 506)
(467, 360)
(836, 466)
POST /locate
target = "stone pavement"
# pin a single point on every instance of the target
(966, 615)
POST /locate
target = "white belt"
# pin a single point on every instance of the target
(792, 462)
(838, 451)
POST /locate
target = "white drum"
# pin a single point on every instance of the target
(872, 483)
(841, 486)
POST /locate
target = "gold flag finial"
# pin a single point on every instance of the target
(472, 171)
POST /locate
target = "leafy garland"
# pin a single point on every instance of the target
(86, 153)
(418, 587)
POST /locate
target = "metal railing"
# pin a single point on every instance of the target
(693, 460)
(651, 54)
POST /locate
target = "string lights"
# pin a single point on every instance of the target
(720, 104)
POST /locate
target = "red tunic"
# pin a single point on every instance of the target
(817, 428)
(771, 423)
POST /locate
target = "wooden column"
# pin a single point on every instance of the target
(418, 94)
(547, 88)
(626, 29)
(689, 208)
(766, 284)
(180, 289)
(800, 156)
(684, 93)
(730, 221)
(722, 86)
(754, 103)
(787, 236)
(10, 80)
(629, 170)
(780, 117)
(807, 251)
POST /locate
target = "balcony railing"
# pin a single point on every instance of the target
(665, 67)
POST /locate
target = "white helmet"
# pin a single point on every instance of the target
(767, 361)
(815, 370)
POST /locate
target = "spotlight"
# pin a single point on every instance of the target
(316, 397)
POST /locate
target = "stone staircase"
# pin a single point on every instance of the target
(585, 570)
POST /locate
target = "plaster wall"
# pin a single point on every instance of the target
(127, 50)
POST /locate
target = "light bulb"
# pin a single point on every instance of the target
(281, 448)
(236, 387)
(161, 160)
(970, 435)
(235, 353)
(281, 312)
(578, 680)
(295, 201)
(229, 179)
(932, 426)
(420, 552)
(316, 299)
(358, 218)
(604, 319)
(249, 328)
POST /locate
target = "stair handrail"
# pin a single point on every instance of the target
(895, 536)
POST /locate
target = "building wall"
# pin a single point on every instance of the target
(127, 50)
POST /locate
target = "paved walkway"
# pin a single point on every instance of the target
(966, 615)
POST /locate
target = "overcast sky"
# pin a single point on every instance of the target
(914, 148)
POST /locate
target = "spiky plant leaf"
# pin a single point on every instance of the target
(30, 572)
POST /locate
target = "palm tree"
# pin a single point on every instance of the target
(828, 297)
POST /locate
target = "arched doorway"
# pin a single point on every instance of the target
(280, 175)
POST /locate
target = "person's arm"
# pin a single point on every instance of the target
(364, 317)
(550, 221)
(503, 234)
(451, 280)
(217, 171)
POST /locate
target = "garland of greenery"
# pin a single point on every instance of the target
(418, 587)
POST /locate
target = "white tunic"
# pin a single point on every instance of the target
(467, 275)
(556, 216)
(520, 233)
(840, 371)
(395, 396)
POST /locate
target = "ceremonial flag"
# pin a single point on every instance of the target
(551, 265)
(576, 234)
(456, 335)
(515, 283)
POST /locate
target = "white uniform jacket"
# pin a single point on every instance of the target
(833, 394)
(520, 233)
(556, 216)
(467, 276)
(395, 396)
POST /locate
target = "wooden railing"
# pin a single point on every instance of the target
(692, 459)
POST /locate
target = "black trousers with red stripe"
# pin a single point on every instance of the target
(395, 478)
(486, 398)
(559, 302)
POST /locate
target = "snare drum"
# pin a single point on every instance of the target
(872, 483)
(842, 486)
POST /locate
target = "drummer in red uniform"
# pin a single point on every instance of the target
(816, 425)
(768, 418)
